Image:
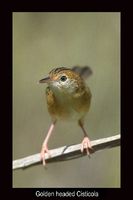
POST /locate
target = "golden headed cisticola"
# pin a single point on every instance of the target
(68, 98)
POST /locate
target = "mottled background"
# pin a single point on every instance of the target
(42, 41)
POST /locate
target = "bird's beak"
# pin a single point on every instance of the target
(45, 80)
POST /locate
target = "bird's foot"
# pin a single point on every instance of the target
(42, 154)
(86, 145)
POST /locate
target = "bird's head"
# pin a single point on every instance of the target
(64, 79)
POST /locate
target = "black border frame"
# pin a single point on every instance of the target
(6, 153)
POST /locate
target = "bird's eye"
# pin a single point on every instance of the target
(63, 78)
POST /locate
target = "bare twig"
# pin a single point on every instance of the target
(67, 152)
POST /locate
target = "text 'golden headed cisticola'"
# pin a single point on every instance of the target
(68, 98)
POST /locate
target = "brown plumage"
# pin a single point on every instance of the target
(68, 98)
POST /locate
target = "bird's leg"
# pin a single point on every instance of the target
(86, 143)
(44, 145)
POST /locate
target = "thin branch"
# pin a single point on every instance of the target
(67, 152)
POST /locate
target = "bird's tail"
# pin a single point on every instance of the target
(84, 72)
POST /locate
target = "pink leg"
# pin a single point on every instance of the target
(44, 145)
(86, 143)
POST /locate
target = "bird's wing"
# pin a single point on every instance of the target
(51, 101)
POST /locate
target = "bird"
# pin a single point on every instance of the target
(68, 98)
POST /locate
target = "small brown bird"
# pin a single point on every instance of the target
(68, 98)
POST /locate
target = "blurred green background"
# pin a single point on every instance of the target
(42, 41)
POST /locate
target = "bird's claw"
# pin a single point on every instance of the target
(44, 150)
(86, 145)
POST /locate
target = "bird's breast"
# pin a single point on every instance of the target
(68, 107)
